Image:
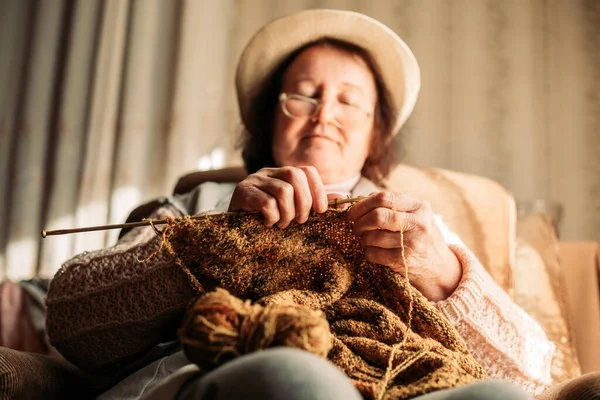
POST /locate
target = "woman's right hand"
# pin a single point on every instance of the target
(281, 194)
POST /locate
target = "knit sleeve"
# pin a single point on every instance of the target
(501, 336)
(106, 307)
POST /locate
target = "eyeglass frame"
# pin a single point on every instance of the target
(284, 97)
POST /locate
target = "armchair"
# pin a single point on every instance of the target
(483, 213)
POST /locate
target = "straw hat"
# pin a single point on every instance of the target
(275, 41)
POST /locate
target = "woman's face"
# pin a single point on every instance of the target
(332, 76)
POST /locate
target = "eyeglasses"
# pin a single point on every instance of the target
(345, 116)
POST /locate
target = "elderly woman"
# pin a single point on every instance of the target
(321, 94)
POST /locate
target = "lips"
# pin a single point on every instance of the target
(315, 136)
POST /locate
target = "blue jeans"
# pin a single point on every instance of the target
(291, 374)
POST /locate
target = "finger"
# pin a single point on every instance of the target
(277, 194)
(315, 184)
(283, 192)
(396, 201)
(384, 219)
(247, 197)
(297, 178)
(382, 239)
(388, 257)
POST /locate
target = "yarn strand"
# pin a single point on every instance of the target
(390, 367)
(163, 235)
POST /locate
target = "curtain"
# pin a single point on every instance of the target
(104, 103)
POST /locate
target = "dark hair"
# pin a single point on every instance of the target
(257, 137)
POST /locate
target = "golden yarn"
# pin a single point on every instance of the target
(219, 327)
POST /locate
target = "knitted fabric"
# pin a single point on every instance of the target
(320, 265)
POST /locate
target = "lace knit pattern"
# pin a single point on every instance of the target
(501, 336)
(104, 306)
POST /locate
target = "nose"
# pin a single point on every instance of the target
(325, 113)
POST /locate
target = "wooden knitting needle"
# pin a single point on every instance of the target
(145, 222)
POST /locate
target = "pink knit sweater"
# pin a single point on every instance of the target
(501, 336)
(87, 310)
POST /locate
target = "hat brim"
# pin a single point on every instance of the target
(272, 44)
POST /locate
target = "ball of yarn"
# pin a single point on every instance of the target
(219, 327)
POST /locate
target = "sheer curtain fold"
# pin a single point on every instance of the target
(30, 149)
(104, 103)
(105, 100)
(198, 118)
(70, 146)
(13, 42)
(136, 126)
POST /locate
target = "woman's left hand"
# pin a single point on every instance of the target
(379, 219)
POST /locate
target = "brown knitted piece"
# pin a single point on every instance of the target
(320, 265)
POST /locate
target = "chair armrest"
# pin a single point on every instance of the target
(581, 263)
(193, 179)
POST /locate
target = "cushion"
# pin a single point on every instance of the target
(540, 289)
(17, 330)
(580, 261)
(36, 376)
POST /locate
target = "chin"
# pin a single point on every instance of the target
(327, 164)
(330, 176)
